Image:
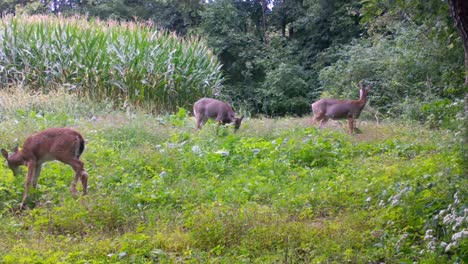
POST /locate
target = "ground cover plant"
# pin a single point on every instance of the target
(276, 191)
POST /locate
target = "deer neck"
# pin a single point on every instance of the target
(362, 98)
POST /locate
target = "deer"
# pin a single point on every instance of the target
(221, 112)
(335, 109)
(63, 144)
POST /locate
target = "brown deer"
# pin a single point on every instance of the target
(335, 109)
(62, 144)
(221, 112)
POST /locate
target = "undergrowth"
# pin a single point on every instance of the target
(276, 191)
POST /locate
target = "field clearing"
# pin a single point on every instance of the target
(277, 191)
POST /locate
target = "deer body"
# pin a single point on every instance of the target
(335, 109)
(221, 112)
(62, 144)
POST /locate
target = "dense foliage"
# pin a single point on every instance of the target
(125, 62)
(279, 56)
(276, 191)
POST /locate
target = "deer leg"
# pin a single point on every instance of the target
(351, 125)
(201, 122)
(36, 175)
(217, 128)
(198, 122)
(313, 121)
(323, 122)
(31, 173)
(84, 181)
(77, 166)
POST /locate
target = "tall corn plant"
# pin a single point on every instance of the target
(126, 62)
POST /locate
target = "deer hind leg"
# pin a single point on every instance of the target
(80, 174)
(84, 181)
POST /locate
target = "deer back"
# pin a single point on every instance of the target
(51, 144)
(340, 109)
(214, 109)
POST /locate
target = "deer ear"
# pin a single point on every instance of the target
(360, 85)
(5, 153)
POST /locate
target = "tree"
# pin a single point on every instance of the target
(459, 12)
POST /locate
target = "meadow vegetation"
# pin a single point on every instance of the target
(277, 191)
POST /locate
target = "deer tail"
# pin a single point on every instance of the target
(81, 147)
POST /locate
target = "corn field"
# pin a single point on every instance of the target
(125, 62)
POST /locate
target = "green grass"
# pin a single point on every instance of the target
(277, 191)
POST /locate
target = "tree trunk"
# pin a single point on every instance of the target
(459, 12)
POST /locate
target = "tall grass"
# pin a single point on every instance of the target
(126, 62)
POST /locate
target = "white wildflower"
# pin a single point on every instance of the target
(428, 234)
(457, 200)
(460, 235)
(368, 199)
(172, 145)
(400, 241)
(458, 222)
(431, 245)
(223, 153)
(448, 219)
(196, 149)
(450, 246)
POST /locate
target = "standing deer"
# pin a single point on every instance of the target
(221, 112)
(62, 144)
(325, 109)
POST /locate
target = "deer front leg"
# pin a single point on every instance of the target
(201, 122)
(323, 122)
(31, 173)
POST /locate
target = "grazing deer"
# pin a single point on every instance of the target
(221, 112)
(325, 109)
(62, 144)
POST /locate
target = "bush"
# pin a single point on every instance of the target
(284, 91)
